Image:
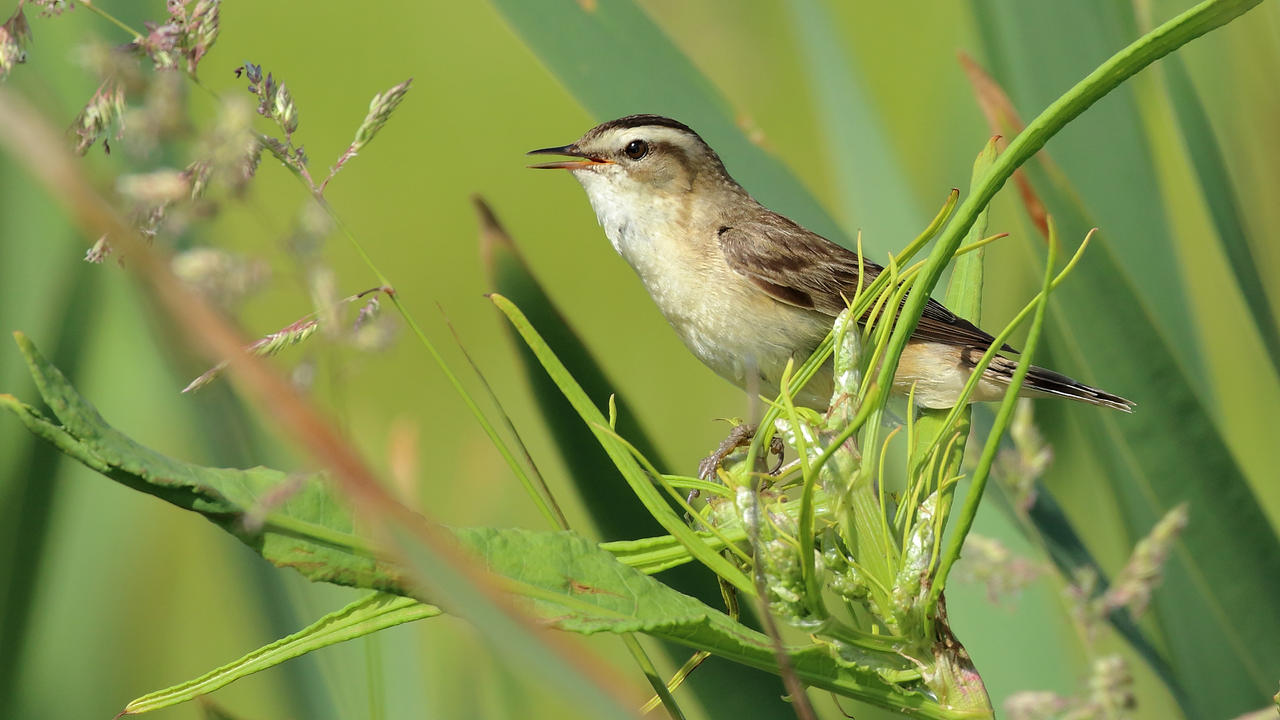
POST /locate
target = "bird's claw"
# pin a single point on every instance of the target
(740, 436)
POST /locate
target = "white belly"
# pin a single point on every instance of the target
(730, 325)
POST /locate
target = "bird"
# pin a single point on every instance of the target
(747, 289)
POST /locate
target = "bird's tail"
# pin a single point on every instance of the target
(1042, 382)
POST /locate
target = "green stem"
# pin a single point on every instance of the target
(1145, 50)
(88, 5)
(974, 496)
(861, 301)
(651, 674)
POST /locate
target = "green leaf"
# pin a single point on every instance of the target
(614, 509)
(565, 580)
(291, 520)
(640, 482)
(575, 585)
(1223, 646)
(1220, 196)
(367, 615)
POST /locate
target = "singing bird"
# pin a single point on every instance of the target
(747, 289)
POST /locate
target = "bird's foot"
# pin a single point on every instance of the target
(739, 437)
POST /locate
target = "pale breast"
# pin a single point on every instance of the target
(739, 332)
(726, 322)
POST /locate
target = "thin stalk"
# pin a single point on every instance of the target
(508, 456)
(1136, 56)
(374, 676)
(677, 679)
(560, 520)
(91, 7)
(1004, 335)
(808, 559)
(651, 674)
(973, 497)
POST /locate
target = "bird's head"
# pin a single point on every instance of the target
(638, 156)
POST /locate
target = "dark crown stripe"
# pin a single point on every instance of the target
(635, 121)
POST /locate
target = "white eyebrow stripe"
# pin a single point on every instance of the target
(652, 134)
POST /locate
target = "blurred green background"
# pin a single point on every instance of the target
(109, 594)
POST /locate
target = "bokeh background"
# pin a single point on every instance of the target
(109, 594)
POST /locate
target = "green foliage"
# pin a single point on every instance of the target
(1153, 465)
(830, 546)
(369, 614)
(566, 581)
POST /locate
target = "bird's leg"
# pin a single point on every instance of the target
(740, 436)
(777, 448)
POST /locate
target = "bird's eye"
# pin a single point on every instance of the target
(636, 149)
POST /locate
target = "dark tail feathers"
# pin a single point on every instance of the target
(1047, 382)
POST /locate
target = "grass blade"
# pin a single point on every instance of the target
(1169, 451)
(1038, 48)
(1224, 207)
(616, 512)
(639, 481)
(364, 616)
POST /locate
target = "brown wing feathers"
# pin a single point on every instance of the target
(817, 274)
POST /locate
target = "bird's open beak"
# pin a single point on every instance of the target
(585, 162)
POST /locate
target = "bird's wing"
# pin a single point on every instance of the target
(804, 269)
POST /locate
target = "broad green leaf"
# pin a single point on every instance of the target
(369, 614)
(291, 520)
(575, 585)
(230, 497)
